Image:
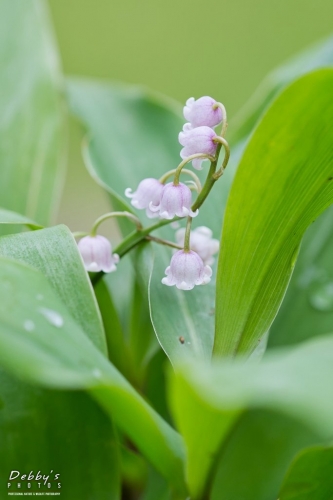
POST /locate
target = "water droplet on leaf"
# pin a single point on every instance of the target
(52, 317)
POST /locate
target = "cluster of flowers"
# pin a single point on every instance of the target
(190, 266)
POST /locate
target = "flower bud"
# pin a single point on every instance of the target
(202, 112)
(96, 252)
(186, 270)
(197, 140)
(175, 200)
(148, 191)
(201, 242)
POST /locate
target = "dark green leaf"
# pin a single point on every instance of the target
(310, 476)
(60, 431)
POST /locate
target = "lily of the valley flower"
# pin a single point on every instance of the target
(186, 270)
(148, 191)
(176, 200)
(202, 242)
(203, 111)
(197, 140)
(96, 252)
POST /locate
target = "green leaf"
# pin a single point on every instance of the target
(282, 184)
(9, 217)
(60, 431)
(310, 476)
(32, 124)
(293, 383)
(41, 343)
(54, 252)
(307, 309)
(255, 457)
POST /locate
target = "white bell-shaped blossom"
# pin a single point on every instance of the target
(187, 270)
(201, 242)
(148, 191)
(197, 140)
(202, 112)
(96, 252)
(176, 200)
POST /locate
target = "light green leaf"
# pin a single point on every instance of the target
(293, 383)
(32, 124)
(60, 431)
(41, 343)
(9, 217)
(307, 309)
(54, 252)
(310, 476)
(282, 184)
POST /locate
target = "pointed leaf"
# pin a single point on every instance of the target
(282, 184)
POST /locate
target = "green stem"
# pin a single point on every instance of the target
(187, 235)
(109, 215)
(165, 177)
(187, 160)
(164, 242)
(213, 176)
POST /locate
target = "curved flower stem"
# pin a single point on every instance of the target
(187, 160)
(164, 242)
(224, 117)
(109, 215)
(187, 235)
(184, 171)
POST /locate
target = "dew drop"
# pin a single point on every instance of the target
(321, 297)
(29, 325)
(97, 373)
(52, 316)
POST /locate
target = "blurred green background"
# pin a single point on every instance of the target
(181, 48)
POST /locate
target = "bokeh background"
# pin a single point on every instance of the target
(181, 48)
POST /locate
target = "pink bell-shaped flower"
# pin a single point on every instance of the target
(202, 243)
(148, 191)
(175, 200)
(197, 140)
(202, 112)
(96, 252)
(186, 270)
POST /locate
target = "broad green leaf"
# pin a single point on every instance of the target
(9, 217)
(54, 252)
(41, 343)
(255, 457)
(307, 309)
(134, 135)
(60, 431)
(282, 184)
(294, 383)
(310, 476)
(32, 124)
